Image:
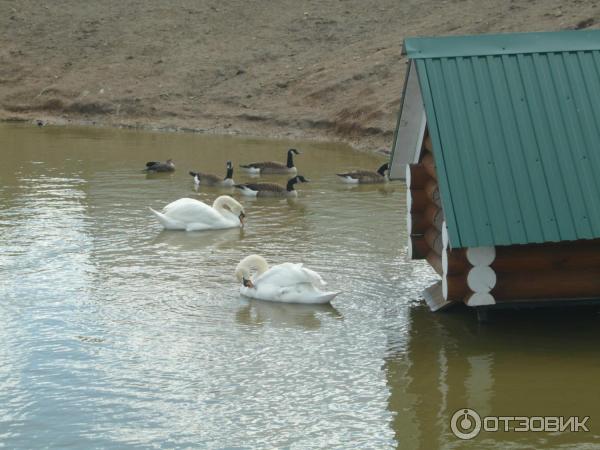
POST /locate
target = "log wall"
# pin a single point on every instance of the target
(489, 275)
(428, 238)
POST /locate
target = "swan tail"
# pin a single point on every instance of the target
(167, 223)
(326, 297)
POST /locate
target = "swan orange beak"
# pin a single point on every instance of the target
(247, 283)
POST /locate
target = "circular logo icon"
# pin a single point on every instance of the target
(465, 424)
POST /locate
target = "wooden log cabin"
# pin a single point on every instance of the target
(498, 140)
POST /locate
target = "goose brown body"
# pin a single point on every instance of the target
(271, 189)
(366, 176)
(209, 179)
(273, 167)
(157, 166)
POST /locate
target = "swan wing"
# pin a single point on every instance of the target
(188, 210)
(289, 274)
(299, 293)
(167, 222)
(305, 293)
(314, 277)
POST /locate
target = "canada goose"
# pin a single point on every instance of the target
(155, 166)
(287, 282)
(366, 176)
(193, 215)
(272, 167)
(271, 189)
(208, 179)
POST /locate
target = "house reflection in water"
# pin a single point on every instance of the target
(524, 364)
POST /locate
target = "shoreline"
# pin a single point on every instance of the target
(177, 125)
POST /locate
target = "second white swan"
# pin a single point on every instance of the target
(287, 282)
(193, 215)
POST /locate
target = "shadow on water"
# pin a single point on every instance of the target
(217, 190)
(525, 363)
(209, 238)
(283, 315)
(157, 175)
(384, 189)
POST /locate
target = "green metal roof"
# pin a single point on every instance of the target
(515, 125)
(500, 44)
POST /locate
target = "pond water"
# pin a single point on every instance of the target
(117, 334)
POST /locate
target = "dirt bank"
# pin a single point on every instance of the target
(312, 69)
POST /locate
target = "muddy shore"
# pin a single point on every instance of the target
(311, 70)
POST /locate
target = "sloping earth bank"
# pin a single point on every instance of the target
(311, 69)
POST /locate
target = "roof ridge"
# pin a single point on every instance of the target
(501, 44)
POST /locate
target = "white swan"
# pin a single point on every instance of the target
(193, 215)
(287, 282)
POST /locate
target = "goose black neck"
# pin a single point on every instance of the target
(290, 159)
(229, 173)
(290, 184)
(382, 169)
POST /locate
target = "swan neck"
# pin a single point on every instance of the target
(256, 262)
(224, 200)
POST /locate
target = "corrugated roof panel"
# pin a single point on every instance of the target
(517, 142)
(491, 144)
(445, 192)
(510, 162)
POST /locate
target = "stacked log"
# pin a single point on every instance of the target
(486, 275)
(424, 212)
(561, 270)
(465, 275)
